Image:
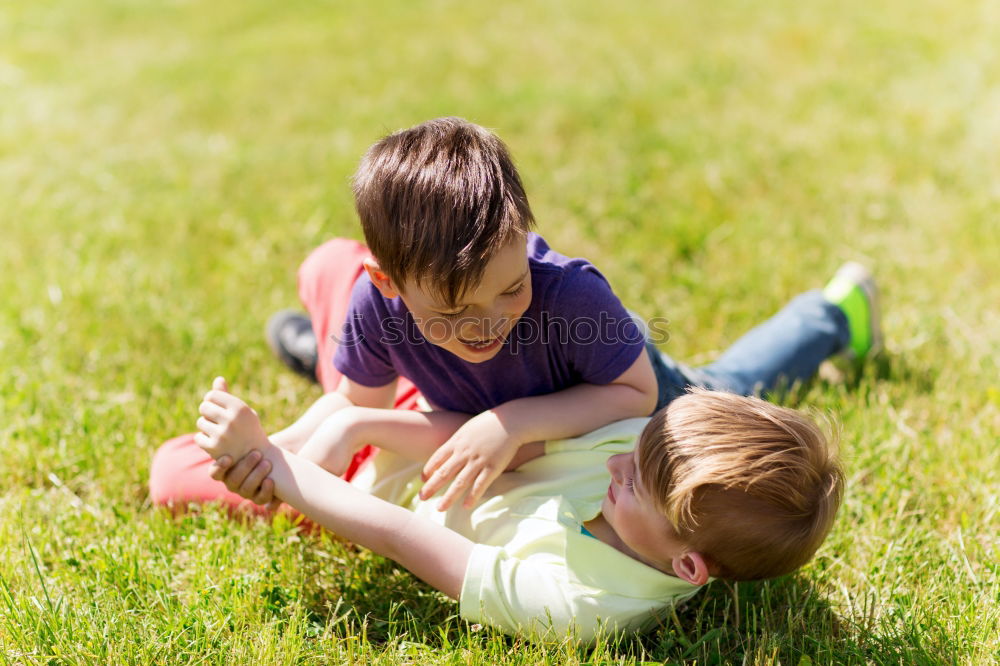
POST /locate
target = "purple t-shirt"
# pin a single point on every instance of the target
(575, 331)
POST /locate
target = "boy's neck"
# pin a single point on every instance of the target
(602, 531)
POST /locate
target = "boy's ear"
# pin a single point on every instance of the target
(380, 278)
(692, 567)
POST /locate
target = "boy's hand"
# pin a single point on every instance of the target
(228, 426)
(247, 478)
(474, 456)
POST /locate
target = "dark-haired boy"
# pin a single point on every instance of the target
(512, 341)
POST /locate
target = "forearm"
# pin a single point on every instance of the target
(408, 433)
(571, 412)
(295, 436)
(430, 551)
(582, 408)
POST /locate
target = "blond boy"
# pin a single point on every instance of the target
(604, 530)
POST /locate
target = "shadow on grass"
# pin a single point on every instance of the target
(900, 370)
(887, 367)
(853, 379)
(779, 621)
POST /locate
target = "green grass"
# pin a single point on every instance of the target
(164, 166)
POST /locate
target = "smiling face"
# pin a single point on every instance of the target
(645, 533)
(477, 326)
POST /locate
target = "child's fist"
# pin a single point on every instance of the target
(228, 426)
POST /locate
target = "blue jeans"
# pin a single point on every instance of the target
(786, 348)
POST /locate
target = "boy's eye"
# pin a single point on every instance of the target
(515, 292)
(451, 315)
(630, 483)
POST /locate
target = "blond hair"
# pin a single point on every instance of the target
(752, 486)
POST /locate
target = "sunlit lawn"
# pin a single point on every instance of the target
(165, 166)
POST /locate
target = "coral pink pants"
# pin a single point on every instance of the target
(180, 470)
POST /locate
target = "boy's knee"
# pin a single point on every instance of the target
(173, 473)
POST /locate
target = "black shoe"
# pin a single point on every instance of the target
(290, 336)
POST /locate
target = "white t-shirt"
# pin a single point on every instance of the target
(532, 570)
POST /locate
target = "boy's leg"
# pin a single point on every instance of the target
(179, 475)
(326, 279)
(788, 347)
(180, 470)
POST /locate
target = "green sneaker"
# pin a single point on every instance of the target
(853, 290)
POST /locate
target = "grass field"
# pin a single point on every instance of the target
(164, 166)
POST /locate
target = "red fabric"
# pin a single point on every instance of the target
(179, 472)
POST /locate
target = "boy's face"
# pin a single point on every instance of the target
(476, 328)
(630, 511)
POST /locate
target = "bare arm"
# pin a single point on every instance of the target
(582, 408)
(348, 394)
(432, 552)
(417, 435)
(411, 434)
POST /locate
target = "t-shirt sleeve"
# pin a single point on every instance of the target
(603, 338)
(361, 355)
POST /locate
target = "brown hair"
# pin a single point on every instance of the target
(437, 202)
(753, 486)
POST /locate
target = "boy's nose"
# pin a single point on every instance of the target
(483, 325)
(615, 467)
(474, 330)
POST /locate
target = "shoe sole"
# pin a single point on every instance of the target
(290, 361)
